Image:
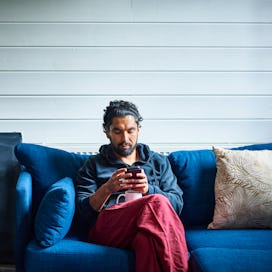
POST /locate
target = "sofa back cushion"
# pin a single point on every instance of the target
(46, 166)
(196, 171)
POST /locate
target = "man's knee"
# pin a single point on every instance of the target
(158, 200)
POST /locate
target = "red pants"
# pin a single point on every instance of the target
(150, 227)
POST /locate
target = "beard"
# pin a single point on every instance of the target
(124, 152)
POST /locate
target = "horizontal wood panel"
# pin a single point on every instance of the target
(153, 131)
(139, 10)
(134, 83)
(174, 107)
(135, 59)
(200, 71)
(144, 34)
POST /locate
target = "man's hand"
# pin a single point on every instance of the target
(139, 184)
(120, 180)
(114, 184)
(116, 181)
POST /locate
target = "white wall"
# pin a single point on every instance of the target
(199, 71)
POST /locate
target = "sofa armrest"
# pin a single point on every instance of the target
(23, 217)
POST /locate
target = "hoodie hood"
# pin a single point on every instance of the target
(107, 153)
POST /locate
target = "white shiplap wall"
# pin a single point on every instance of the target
(199, 71)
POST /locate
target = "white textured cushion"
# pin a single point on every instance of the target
(243, 189)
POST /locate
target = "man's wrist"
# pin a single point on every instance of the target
(99, 198)
(106, 189)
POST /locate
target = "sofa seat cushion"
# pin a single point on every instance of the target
(74, 255)
(225, 260)
(239, 239)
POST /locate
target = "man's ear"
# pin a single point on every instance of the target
(107, 132)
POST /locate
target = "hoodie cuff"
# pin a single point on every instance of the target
(151, 189)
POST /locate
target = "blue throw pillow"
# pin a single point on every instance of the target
(46, 166)
(55, 213)
(195, 171)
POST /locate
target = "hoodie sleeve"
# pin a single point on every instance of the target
(86, 186)
(167, 184)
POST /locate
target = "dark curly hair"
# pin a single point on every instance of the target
(120, 108)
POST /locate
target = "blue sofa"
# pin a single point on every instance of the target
(50, 238)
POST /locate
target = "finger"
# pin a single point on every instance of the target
(116, 182)
(121, 182)
(141, 175)
(120, 170)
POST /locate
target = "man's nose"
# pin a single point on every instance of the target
(125, 136)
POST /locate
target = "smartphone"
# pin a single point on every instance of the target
(134, 170)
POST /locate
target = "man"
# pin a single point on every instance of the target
(150, 226)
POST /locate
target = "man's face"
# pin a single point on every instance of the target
(123, 135)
